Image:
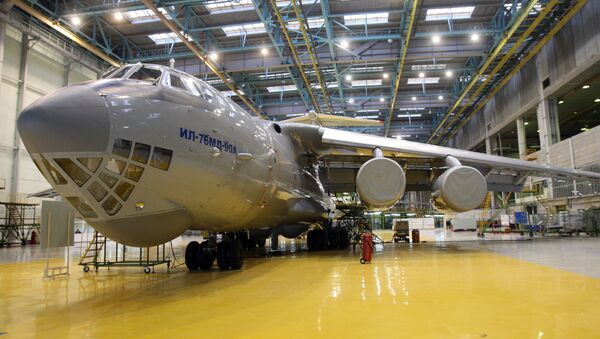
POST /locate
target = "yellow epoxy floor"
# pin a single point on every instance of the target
(422, 292)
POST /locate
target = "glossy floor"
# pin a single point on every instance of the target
(449, 290)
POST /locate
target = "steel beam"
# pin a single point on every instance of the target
(473, 97)
(294, 52)
(555, 29)
(310, 45)
(326, 11)
(56, 25)
(405, 43)
(276, 37)
(523, 14)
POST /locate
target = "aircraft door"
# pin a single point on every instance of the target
(272, 176)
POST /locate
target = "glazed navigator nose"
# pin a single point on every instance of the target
(71, 119)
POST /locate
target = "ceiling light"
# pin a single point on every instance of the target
(538, 131)
(344, 43)
(584, 129)
(348, 77)
(213, 56)
(585, 86)
(421, 75)
(413, 98)
(560, 102)
(351, 100)
(118, 16)
(475, 37)
(436, 39)
(597, 100)
(381, 99)
(385, 75)
(76, 21)
(264, 51)
(526, 123)
(441, 97)
(448, 74)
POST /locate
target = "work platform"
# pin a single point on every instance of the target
(17, 222)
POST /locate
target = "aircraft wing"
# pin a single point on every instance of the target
(342, 152)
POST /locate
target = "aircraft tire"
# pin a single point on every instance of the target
(236, 255)
(344, 239)
(311, 238)
(191, 255)
(223, 255)
(204, 256)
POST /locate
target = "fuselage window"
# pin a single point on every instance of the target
(84, 209)
(141, 153)
(133, 172)
(97, 191)
(56, 176)
(122, 148)
(191, 87)
(109, 180)
(123, 190)
(146, 74)
(90, 163)
(161, 158)
(115, 165)
(111, 205)
(75, 172)
(120, 73)
(177, 83)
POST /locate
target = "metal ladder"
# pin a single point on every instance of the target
(94, 247)
(14, 217)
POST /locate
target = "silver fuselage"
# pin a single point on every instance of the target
(228, 170)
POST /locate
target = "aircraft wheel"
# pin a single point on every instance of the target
(223, 255)
(86, 268)
(344, 239)
(204, 256)
(191, 255)
(236, 255)
(311, 240)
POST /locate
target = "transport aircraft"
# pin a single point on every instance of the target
(148, 152)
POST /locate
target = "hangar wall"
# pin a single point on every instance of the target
(570, 52)
(46, 70)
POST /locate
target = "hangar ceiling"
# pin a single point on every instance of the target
(337, 57)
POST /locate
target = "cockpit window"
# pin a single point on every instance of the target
(191, 87)
(146, 74)
(122, 148)
(75, 172)
(120, 73)
(161, 158)
(56, 176)
(84, 209)
(176, 82)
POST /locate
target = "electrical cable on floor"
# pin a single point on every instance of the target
(176, 263)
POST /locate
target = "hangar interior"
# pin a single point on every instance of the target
(514, 78)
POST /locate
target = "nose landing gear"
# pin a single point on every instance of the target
(228, 252)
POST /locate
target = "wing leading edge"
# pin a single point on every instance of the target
(337, 138)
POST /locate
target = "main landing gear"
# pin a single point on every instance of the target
(228, 253)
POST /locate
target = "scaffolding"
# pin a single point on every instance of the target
(101, 252)
(17, 223)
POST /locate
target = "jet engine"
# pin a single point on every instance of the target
(459, 189)
(380, 182)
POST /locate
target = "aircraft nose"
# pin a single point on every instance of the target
(71, 119)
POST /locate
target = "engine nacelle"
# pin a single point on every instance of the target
(459, 189)
(380, 182)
